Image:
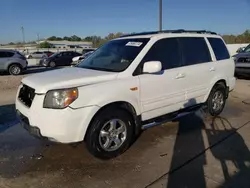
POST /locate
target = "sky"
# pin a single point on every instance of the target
(101, 17)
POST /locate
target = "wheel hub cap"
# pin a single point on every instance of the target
(218, 100)
(112, 135)
(16, 70)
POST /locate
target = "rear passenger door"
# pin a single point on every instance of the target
(163, 92)
(198, 68)
(224, 64)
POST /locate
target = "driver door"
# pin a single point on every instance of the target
(163, 92)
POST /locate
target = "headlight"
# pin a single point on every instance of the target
(59, 99)
(235, 59)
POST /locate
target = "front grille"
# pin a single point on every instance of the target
(244, 60)
(26, 95)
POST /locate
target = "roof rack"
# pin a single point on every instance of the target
(171, 31)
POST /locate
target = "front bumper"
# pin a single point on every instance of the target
(232, 83)
(24, 121)
(65, 126)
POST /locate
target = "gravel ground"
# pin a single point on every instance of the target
(10, 82)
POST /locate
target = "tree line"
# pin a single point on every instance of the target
(237, 39)
(98, 40)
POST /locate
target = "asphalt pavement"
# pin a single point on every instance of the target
(194, 151)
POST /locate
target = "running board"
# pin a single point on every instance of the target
(181, 114)
(153, 124)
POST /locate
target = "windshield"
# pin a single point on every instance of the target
(247, 49)
(114, 56)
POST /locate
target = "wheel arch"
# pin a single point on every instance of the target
(122, 105)
(220, 81)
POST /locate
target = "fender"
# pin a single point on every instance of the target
(102, 94)
(213, 82)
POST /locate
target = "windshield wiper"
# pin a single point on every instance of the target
(99, 68)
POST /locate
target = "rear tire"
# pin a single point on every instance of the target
(15, 69)
(104, 142)
(217, 100)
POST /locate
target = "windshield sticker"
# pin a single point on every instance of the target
(136, 44)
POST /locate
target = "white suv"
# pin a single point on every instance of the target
(129, 84)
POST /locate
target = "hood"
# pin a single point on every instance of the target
(66, 78)
(243, 54)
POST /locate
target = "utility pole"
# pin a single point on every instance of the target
(22, 29)
(38, 37)
(160, 15)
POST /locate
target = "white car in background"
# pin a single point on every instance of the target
(37, 55)
(78, 59)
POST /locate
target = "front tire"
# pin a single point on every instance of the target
(110, 133)
(52, 64)
(217, 100)
(15, 69)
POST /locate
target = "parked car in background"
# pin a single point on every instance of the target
(59, 59)
(49, 53)
(86, 50)
(241, 49)
(242, 62)
(130, 83)
(78, 59)
(12, 61)
(37, 55)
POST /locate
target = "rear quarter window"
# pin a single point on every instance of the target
(9, 54)
(219, 48)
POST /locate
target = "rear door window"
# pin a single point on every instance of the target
(67, 54)
(64, 54)
(219, 48)
(194, 50)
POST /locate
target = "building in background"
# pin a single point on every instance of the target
(69, 44)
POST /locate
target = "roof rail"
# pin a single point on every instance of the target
(171, 31)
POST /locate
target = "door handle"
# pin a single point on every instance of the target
(180, 75)
(212, 69)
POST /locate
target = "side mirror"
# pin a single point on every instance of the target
(152, 67)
